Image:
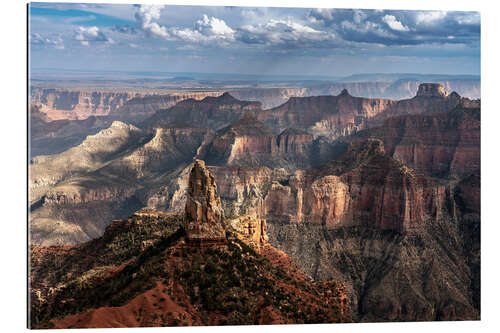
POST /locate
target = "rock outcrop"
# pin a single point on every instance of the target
(431, 90)
(430, 98)
(251, 230)
(329, 116)
(363, 187)
(129, 105)
(204, 218)
(250, 142)
(76, 104)
(139, 108)
(211, 112)
(395, 90)
(439, 144)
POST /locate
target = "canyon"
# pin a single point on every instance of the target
(380, 195)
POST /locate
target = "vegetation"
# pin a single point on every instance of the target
(231, 283)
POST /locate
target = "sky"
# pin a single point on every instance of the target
(244, 40)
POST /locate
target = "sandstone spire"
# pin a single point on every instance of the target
(204, 219)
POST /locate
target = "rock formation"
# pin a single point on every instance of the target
(78, 103)
(211, 112)
(440, 144)
(129, 105)
(395, 90)
(431, 90)
(140, 274)
(251, 230)
(204, 218)
(329, 116)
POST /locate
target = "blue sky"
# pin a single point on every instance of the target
(294, 41)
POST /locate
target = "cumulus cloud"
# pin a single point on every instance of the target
(207, 29)
(394, 24)
(212, 26)
(85, 35)
(281, 32)
(146, 16)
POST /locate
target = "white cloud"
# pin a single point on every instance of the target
(429, 17)
(394, 24)
(146, 17)
(207, 29)
(55, 42)
(212, 26)
(89, 34)
(282, 31)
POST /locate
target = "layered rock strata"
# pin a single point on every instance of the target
(204, 217)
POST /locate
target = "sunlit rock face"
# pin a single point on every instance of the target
(204, 217)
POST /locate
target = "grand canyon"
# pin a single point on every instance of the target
(205, 166)
(370, 202)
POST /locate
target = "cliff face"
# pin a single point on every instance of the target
(128, 105)
(395, 90)
(137, 109)
(249, 142)
(430, 98)
(330, 116)
(78, 104)
(443, 144)
(204, 219)
(363, 187)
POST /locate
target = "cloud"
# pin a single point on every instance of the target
(207, 29)
(212, 26)
(429, 17)
(281, 32)
(85, 35)
(54, 41)
(146, 15)
(394, 24)
(395, 27)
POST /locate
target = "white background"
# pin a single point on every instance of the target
(13, 187)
